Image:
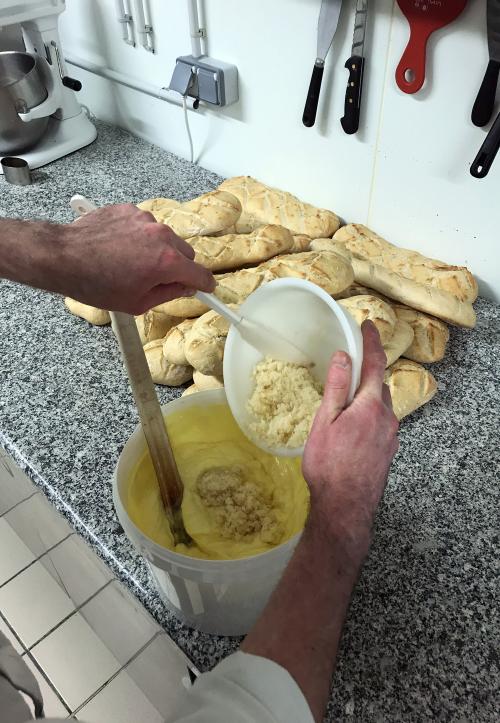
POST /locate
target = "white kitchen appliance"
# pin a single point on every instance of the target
(69, 127)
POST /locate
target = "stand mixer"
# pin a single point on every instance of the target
(68, 127)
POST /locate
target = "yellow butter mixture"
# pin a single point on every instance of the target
(238, 500)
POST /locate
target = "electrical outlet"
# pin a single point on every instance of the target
(206, 79)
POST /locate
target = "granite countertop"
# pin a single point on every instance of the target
(419, 643)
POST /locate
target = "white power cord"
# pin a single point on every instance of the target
(188, 130)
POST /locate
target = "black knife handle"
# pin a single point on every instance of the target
(350, 122)
(71, 83)
(482, 162)
(485, 101)
(309, 115)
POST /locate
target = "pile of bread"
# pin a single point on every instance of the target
(249, 234)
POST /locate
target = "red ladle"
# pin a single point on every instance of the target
(424, 17)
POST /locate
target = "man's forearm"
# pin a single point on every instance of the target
(301, 626)
(30, 253)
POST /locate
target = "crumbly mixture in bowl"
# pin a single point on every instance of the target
(241, 506)
(283, 403)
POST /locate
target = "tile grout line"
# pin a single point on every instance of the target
(69, 615)
(76, 520)
(36, 492)
(120, 670)
(9, 626)
(37, 559)
(48, 681)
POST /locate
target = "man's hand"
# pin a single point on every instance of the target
(350, 449)
(118, 258)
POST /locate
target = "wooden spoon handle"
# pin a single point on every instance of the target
(149, 409)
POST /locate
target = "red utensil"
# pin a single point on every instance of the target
(424, 17)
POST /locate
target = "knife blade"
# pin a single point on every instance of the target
(485, 101)
(355, 65)
(327, 26)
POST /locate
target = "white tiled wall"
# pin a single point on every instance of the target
(406, 172)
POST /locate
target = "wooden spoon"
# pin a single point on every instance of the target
(152, 422)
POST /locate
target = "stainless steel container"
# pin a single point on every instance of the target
(16, 170)
(21, 88)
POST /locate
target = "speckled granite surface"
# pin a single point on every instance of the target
(421, 641)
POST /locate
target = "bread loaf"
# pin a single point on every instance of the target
(423, 298)
(205, 381)
(411, 386)
(205, 343)
(154, 325)
(162, 372)
(301, 242)
(330, 271)
(97, 317)
(366, 244)
(369, 307)
(399, 342)
(430, 335)
(208, 214)
(232, 288)
(174, 343)
(190, 390)
(159, 207)
(262, 204)
(221, 253)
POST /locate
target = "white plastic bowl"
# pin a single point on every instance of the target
(223, 597)
(306, 316)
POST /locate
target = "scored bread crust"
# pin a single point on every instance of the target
(263, 204)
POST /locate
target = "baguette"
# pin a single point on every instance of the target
(411, 386)
(262, 204)
(153, 325)
(430, 335)
(221, 253)
(205, 381)
(364, 307)
(174, 343)
(329, 270)
(162, 372)
(423, 298)
(366, 244)
(399, 342)
(97, 317)
(205, 343)
(205, 215)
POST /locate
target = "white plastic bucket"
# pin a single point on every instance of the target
(223, 597)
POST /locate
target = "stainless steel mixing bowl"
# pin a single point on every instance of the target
(21, 88)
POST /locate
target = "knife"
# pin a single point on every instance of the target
(485, 101)
(327, 25)
(355, 65)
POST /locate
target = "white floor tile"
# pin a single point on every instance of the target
(14, 554)
(15, 486)
(52, 706)
(121, 701)
(34, 603)
(4, 628)
(120, 621)
(38, 524)
(76, 662)
(76, 568)
(158, 671)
